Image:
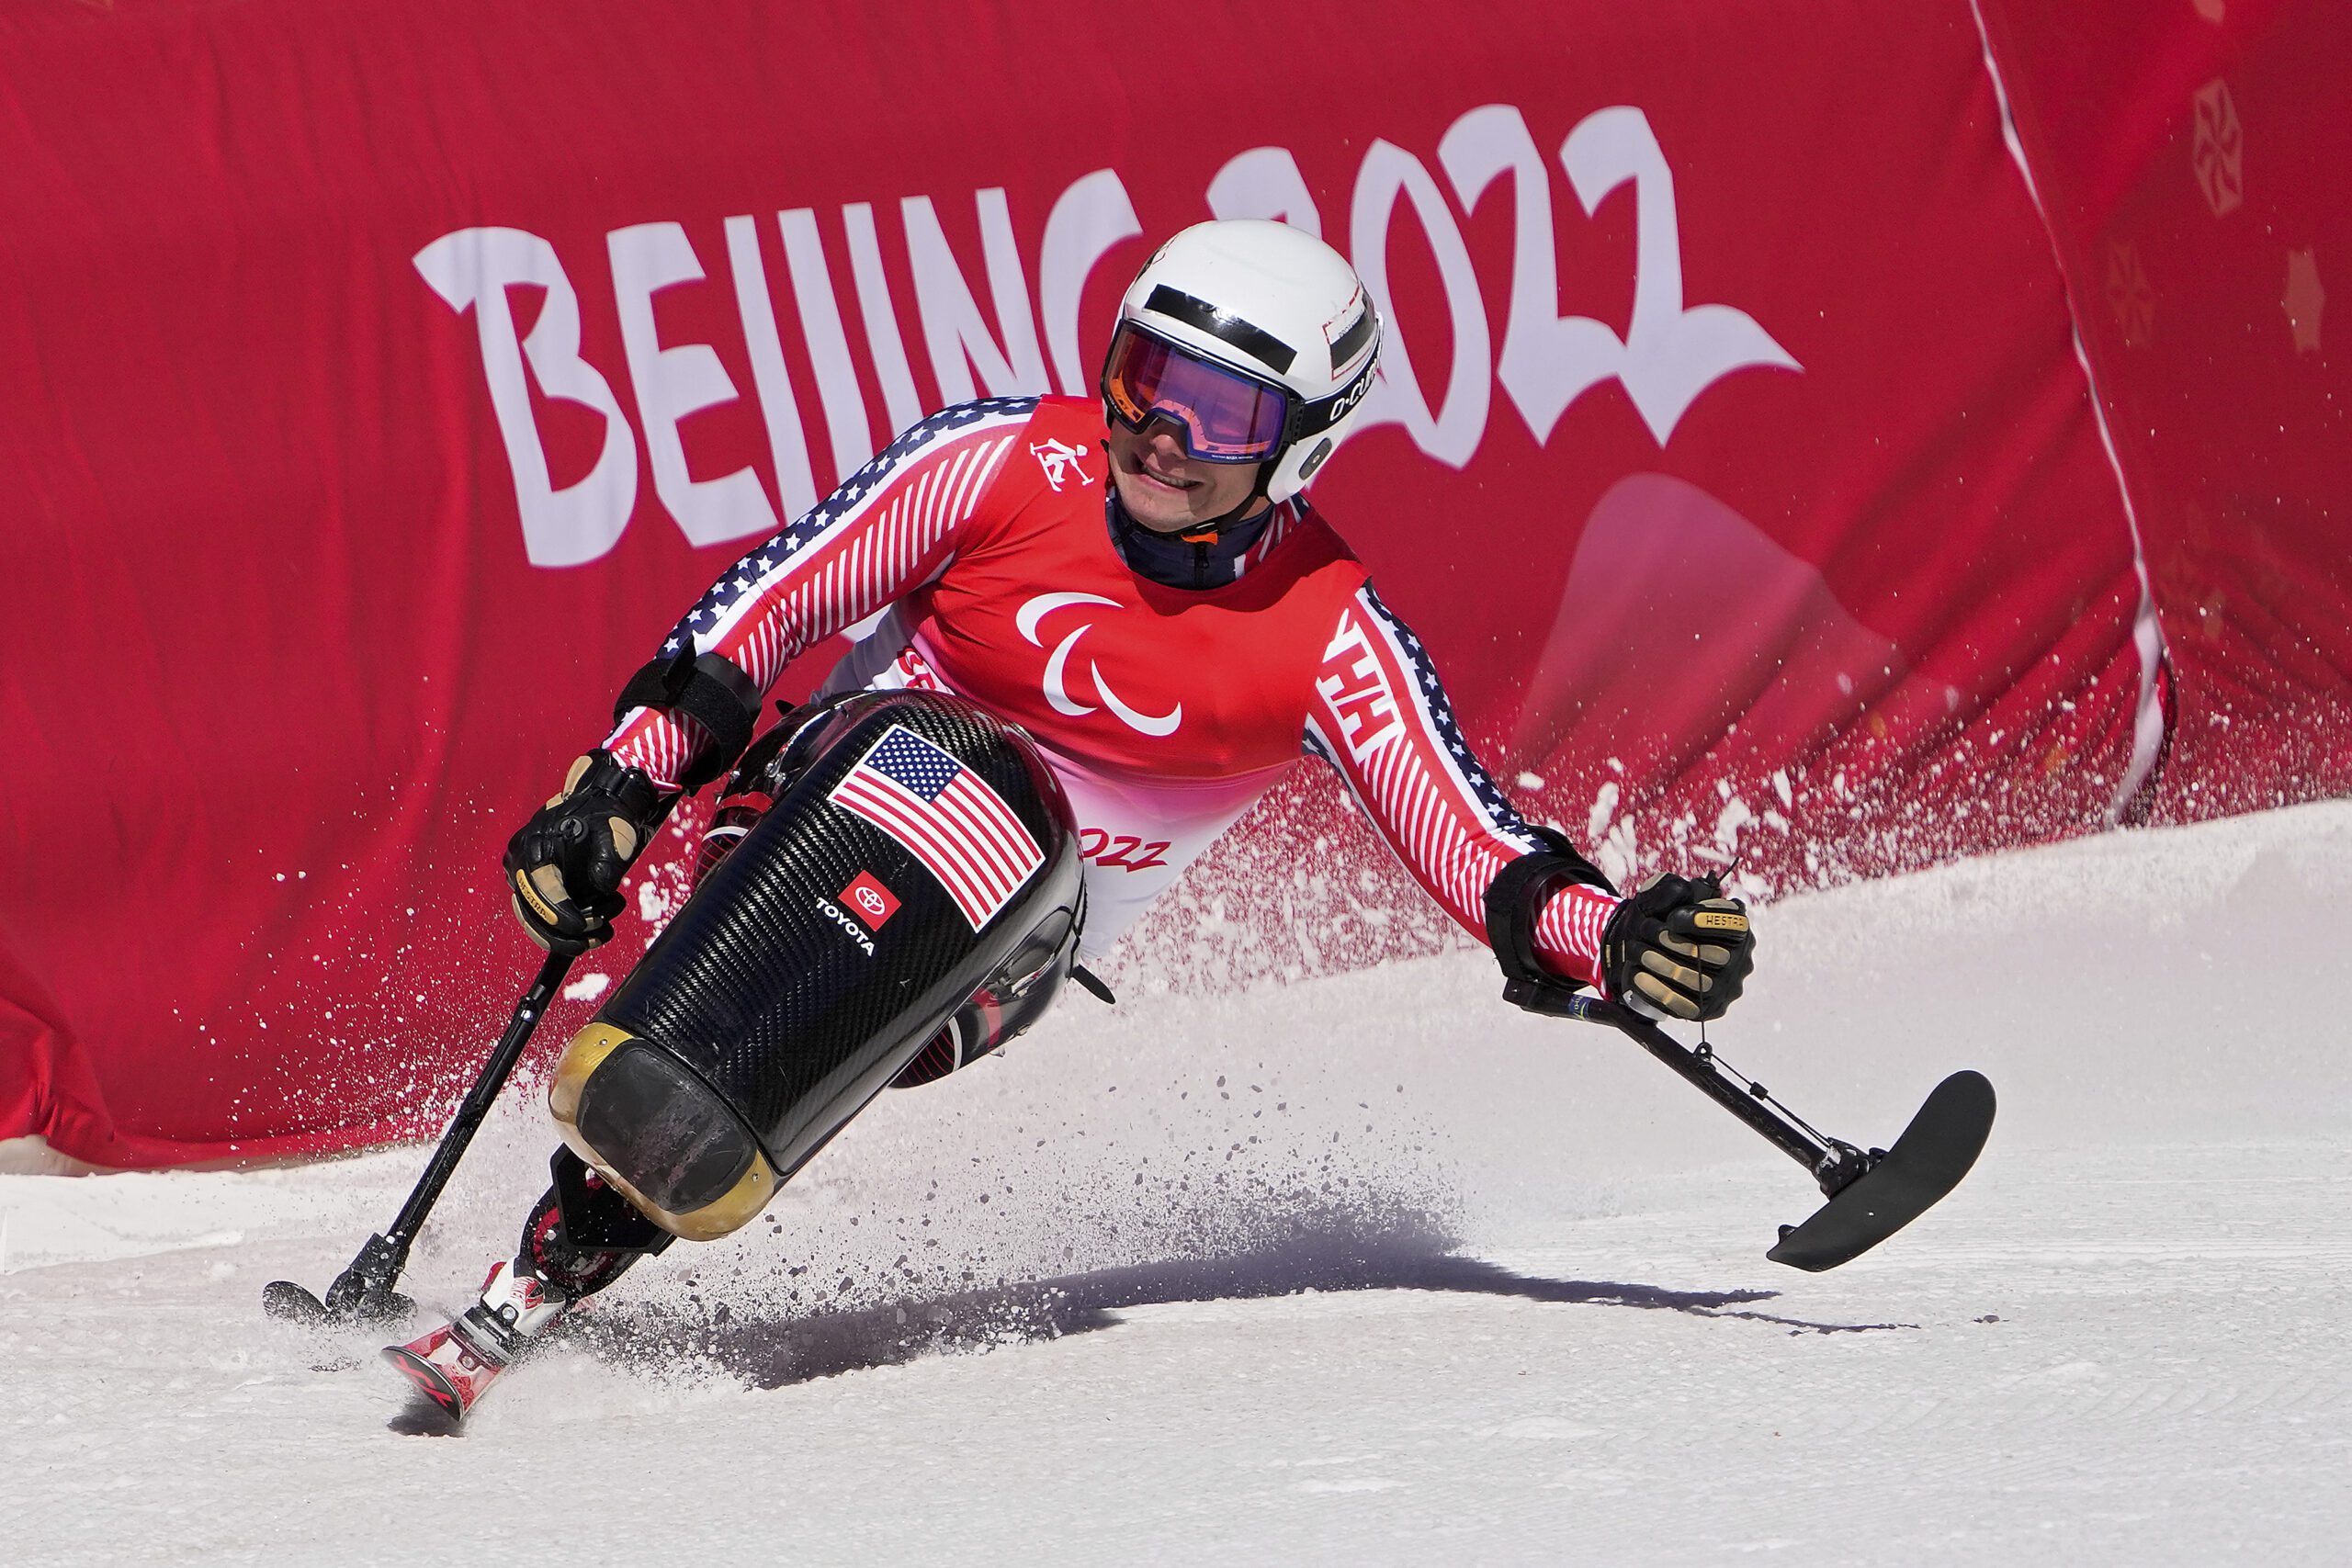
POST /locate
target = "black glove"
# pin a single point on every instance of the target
(565, 866)
(1678, 948)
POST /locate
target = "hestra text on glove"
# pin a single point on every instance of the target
(1679, 948)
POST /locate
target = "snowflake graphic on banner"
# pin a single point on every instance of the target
(2219, 153)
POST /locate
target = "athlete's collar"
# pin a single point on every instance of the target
(1178, 561)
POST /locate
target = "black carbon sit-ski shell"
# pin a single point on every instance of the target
(762, 985)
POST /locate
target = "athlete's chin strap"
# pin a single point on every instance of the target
(1242, 512)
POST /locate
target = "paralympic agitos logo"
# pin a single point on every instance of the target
(1665, 355)
(1055, 678)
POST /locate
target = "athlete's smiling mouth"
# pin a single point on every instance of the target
(1158, 475)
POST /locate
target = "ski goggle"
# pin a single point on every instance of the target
(1226, 417)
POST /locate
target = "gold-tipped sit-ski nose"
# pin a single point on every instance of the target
(611, 1084)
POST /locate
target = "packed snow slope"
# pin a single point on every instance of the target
(1365, 1269)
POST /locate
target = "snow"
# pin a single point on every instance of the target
(1408, 1278)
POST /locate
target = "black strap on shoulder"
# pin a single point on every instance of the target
(1515, 900)
(709, 690)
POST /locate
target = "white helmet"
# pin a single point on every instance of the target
(1256, 339)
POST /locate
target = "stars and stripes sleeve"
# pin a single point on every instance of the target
(1379, 715)
(890, 527)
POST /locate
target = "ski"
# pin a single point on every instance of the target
(448, 1376)
(455, 1364)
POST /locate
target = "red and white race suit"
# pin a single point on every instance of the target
(978, 548)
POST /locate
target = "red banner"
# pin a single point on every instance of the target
(2193, 159)
(383, 381)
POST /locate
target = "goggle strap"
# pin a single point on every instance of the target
(1314, 418)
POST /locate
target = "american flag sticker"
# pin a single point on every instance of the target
(946, 816)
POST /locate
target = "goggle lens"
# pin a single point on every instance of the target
(1225, 416)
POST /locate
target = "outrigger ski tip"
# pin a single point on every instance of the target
(1871, 1195)
(290, 1303)
(1900, 1184)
